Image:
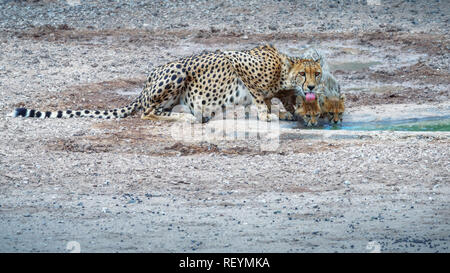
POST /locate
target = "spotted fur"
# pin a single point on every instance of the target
(207, 83)
(309, 74)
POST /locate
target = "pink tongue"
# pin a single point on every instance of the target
(310, 97)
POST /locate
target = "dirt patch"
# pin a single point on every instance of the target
(65, 34)
(208, 148)
(419, 72)
(101, 95)
(432, 44)
(405, 95)
(70, 145)
(136, 136)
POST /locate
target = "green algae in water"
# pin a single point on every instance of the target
(440, 125)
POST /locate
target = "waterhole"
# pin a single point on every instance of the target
(437, 124)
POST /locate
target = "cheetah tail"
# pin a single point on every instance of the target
(122, 112)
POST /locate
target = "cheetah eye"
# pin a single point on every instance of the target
(308, 116)
(330, 113)
(317, 74)
(302, 74)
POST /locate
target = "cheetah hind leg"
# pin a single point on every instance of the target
(168, 116)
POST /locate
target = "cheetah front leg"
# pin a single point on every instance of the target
(282, 115)
(263, 106)
(288, 103)
(286, 116)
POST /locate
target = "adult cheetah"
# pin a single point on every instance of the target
(208, 83)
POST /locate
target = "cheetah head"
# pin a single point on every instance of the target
(334, 108)
(309, 111)
(304, 76)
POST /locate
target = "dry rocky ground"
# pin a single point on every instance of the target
(129, 186)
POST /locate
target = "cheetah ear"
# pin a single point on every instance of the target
(320, 60)
(321, 100)
(269, 46)
(342, 97)
(315, 56)
(288, 63)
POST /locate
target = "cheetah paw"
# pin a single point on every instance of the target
(188, 119)
(268, 117)
(287, 116)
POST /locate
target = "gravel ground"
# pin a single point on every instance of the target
(251, 16)
(129, 186)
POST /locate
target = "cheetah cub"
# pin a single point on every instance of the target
(331, 100)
